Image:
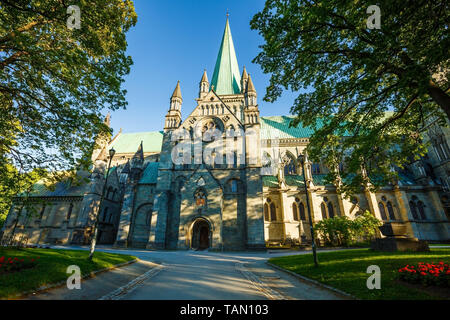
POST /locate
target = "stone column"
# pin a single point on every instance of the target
(254, 205)
(157, 238)
(125, 217)
(284, 211)
(402, 202)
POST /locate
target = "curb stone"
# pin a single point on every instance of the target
(266, 290)
(317, 283)
(132, 285)
(85, 276)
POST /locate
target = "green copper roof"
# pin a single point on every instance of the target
(293, 180)
(130, 142)
(278, 127)
(270, 181)
(226, 78)
(60, 189)
(150, 174)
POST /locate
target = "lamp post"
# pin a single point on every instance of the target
(94, 236)
(302, 161)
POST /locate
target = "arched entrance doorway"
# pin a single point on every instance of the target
(200, 235)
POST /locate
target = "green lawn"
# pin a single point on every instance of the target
(52, 267)
(346, 270)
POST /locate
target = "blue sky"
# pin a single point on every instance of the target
(175, 40)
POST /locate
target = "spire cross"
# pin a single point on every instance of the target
(228, 13)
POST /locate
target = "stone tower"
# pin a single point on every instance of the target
(215, 200)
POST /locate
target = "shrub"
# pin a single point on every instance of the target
(341, 231)
(365, 226)
(335, 231)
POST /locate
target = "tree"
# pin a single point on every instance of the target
(13, 183)
(348, 76)
(55, 81)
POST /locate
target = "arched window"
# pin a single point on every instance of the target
(301, 208)
(105, 212)
(267, 160)
(234, 186)
(289, 168)
(421, 208)
(390, 211)
(382, 211)
(324, 210)
(69, 212)
(148, 219)
(273, 212)
(315, 168)
(412, 205)
(295, 211)
(41, 214)
(289, 165)
(330, 210)
(266, 212)
(270, 210)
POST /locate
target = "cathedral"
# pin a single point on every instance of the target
(245, 198)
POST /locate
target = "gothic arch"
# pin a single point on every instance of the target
(196, 220)
(289, 163)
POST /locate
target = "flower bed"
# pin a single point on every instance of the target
(14, 264)
(427, 274)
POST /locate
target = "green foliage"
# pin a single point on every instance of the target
(55, 82)
(341, 231)
(13, 183)
(348, 76)
(365, 226)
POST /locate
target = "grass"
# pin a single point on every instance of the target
(346, 270)
(52, 267)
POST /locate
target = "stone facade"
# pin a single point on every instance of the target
(248, 197)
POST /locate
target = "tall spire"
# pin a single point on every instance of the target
(226, 78)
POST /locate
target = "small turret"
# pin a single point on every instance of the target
(244, 80)
(173, 117)
(204, 85)
(137, 163)
(251, 112)
(101, 143)
(138, 158)
(125, 172)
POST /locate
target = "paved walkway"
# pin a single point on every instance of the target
(191, 275)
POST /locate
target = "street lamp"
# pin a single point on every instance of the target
(301, 158)
(112, 152)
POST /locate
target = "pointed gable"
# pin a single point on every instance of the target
(226, 78)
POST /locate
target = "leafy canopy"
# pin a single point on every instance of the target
(349, 76)
(55, 81)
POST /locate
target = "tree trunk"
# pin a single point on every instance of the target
(440, 97)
